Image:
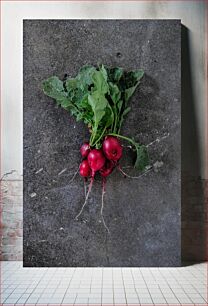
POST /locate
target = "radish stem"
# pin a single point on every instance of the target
(123, 137)
(102, 205)
(99, 137)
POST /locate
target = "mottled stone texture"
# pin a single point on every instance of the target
(11, 221)
(144, 215)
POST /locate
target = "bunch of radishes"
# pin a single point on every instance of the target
(102, 160)
(99, 97)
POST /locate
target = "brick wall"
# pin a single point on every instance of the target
(11, 222)
(194, 213)
(194, 219)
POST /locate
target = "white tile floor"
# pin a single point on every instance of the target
(103, 286)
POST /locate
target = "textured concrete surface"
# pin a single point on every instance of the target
(143, 215)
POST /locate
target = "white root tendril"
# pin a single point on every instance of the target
(73, 177)
(135, 177)
(103, 188)
(102, 206)
(86, 198)
(85, 188)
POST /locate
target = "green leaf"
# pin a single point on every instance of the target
(84, 102)
(100, 83)
(117, 73)
(98, 104)
(65, 102)
(71, 84)
(79, 117)
(114, 74)
(129, 92)
(119, 105)
(53, 87)
(132, 78)
(85, 76)
(108, 118)
(104, 72)
(114, 92)
(142, 159)
(126, 111)
(138, 74)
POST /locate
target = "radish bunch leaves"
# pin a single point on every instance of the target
(99, 97)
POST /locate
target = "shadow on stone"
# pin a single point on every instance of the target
(193, 235)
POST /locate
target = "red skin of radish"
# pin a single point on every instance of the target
(112, 148)
(84, 169)
(107, 169)
(96, 160)
(85, 149)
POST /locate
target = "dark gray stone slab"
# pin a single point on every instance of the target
(143, 215)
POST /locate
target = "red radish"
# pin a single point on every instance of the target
(85, 149)
(107, 169)
(112, 148)
(84, 169)
(96, 160)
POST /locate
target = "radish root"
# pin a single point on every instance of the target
(102, 205)
(85, 186)
(73, 177)
(86, 198)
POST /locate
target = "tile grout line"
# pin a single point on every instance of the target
(39, 282)
(135, 286)
(158, 284)
(146, 286)
(91, 284)
(197, 289)
(12, 273)
(123, 284)
(69, 285)
(102, 288)
(182, 287)
(169, 287)
(37, 286)
(113, 288)
(79, 285)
